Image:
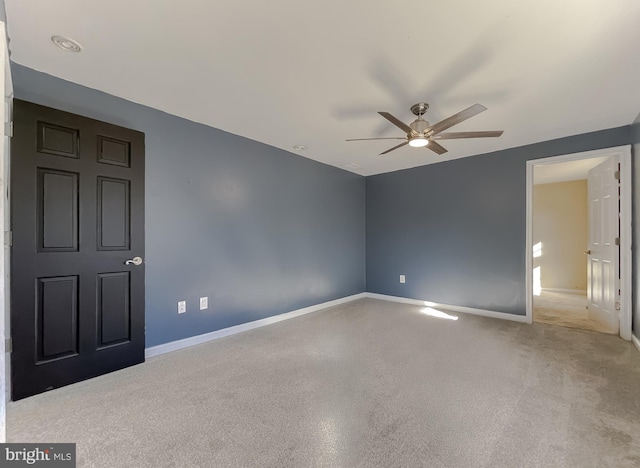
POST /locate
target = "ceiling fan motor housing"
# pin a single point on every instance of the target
(419, 125)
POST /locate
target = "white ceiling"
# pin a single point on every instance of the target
(314, 73)
(565, 171)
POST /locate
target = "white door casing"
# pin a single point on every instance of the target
(5, 111)
(602, 261)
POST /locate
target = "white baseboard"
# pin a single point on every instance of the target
(581, 292)
(461, 309)
(636, 341)
(194, 340)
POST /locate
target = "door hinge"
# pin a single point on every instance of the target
(8, 345)
(8, 129)
(617, 241)
(616, 175)
(8, 238)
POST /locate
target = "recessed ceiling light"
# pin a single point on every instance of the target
(66, 44)
(299, 147)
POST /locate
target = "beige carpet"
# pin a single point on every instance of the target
(365, 384)
(565, 310)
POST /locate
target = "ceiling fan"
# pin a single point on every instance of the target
(421, 133)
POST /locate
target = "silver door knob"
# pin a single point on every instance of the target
(588, 252)
(134, 261)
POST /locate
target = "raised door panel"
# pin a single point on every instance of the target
(57, 211)
(113, 214)
(57, 140)
(114, 308)
(57, 318)
(113, 151)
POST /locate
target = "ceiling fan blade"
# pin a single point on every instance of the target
(456, 118)
(457, 135)
(436, 147)
(390, 138)
(397, 122)
(395, 147)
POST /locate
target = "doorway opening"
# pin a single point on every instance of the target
(578, 257)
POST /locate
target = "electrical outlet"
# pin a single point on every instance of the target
(402, 279)
(204, 303)
(182, 307)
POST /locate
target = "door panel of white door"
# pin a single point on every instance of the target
(602, 280)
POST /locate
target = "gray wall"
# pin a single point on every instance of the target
(258, 230)
(262, 231)
(457, 229)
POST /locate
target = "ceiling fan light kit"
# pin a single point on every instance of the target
(418, 142)
(421, 133)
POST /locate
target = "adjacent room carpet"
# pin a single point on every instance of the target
(565, 310)
(368, 383)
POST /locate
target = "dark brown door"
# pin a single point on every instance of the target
(77, 215)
